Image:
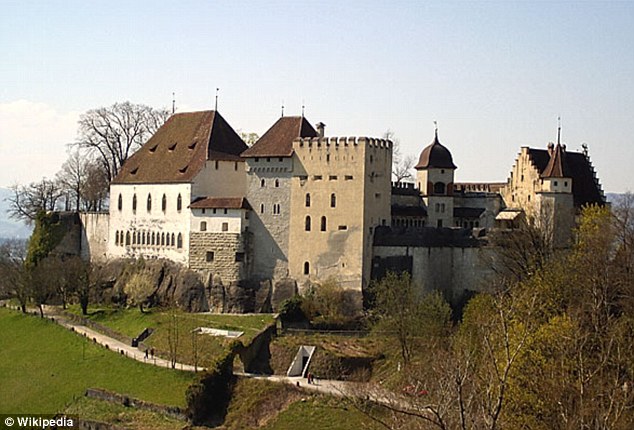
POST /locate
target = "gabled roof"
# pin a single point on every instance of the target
(585, 189)
(179, 149)
(278, 140)
(220, 203)
(435, 155)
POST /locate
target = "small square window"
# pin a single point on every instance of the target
(239, 257)
(209, 256)
(225, 226)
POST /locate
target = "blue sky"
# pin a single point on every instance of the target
(495, 75)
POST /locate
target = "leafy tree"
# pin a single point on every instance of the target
(113, 133)
(248, 138)
(139, 288)
(402, 311)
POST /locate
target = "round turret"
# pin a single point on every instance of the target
(435, 156)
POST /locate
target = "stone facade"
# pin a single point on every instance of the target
(339, 193)
(221, 255)
(268, 182)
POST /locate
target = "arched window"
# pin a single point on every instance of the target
(116, 237)
(134, 203)
(120, 202)
(262, 183)
(153, 239)
(127, 238)
(173, 241)
(133, 238)
(306, 267)
(307, 226)
(179, 241)
(142, 238)
(162, 239)
(149, 202)
(138, 237)
(307, 200)
(262, 208)
(179, 203)
(333, 200)
(439, 188)
(203, 226)
(164, 203)
(277, 183)
(323, 223)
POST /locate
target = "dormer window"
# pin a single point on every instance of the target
(172, 147)
(149, 202)
(192, 145)
(153, 148)
(133, 171)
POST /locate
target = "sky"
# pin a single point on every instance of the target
(494, 75)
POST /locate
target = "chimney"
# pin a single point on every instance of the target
(551, 148)
(321, 128)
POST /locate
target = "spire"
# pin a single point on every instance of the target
(558, 130)
(173, 103)
(216, 107)
(303, 106)
(282, 108)
(556, 167)
(436, 132)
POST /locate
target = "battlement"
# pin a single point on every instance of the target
(327, 142)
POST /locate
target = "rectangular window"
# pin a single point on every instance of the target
(348, 177)
(317, 177)
(239, 257)
(209, 256)
(303, 177)
(332, 177)
(225, 226)
(343, 227)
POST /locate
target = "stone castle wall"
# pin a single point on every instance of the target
(226, 253)
(94, 238)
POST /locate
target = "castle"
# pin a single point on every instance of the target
(303, 207)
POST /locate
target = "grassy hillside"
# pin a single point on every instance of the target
(44, 366)
(131, 322)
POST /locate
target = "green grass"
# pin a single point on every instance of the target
(44, 366)
(131, 322)
(322, 413)
(130, 418)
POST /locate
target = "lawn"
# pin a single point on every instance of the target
(130, 418)
(43, 367)
(131, 322)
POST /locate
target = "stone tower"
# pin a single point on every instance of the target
(435, 177)
(557, 214)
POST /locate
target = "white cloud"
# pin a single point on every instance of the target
(33, 140)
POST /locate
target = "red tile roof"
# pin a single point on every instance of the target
(278, 140)
(220, 203)
(179, 149)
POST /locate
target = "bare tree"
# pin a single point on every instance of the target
(96, 188)
(73, 176)
(402, 165)
(14, 278)
(27, 200)
(115, 132)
